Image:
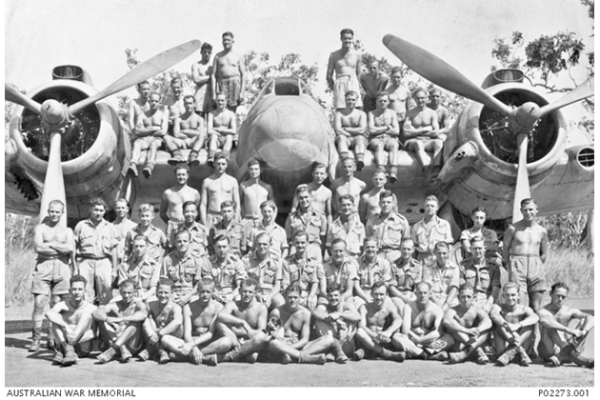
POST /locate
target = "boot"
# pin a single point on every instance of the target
(177, 158)
(125, 354)
(232, 355)
(359, 354)
(338, 352)
(36, 337)
(525, 360)
(480, 356)
(148, 170)
(211, 158)
(360, 161)
(311, 358)
(398, 356)
(441, 356)
(58, 356)
(108, 355)
(393, 175)
(211, 360)
(144, 355)
(507, 356)
(457, 357)
(193, 159)
(580, 360)
(70, 357)
(163, 357)
(133, 169)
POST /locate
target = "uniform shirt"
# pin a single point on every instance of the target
(277, 233)
(482, 277)
(441, 279)
(368, 274)
(95, 241)
(224, 273)
(408, 275)
(425, 240)
(236, 233)
(145, 272)
(489, 239)
(266, 272)
(305, 271)
(353, 238)
(122, 229)
(312, 222)
(198, 234)
(184, 270)
(347, 271)
(157, 242)
(389, 231)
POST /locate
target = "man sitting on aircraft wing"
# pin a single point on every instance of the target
(189, 132)
(421, 129)
(350, 126)
(222, 128)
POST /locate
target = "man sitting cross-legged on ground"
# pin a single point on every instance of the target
(199, 343)
(378, 328)
(513, 330)
(469, 325)
(164, 319)
(72, 324)
(422, 326)
(120, 324)
(559, 343)
(290, 342)
(337, 319)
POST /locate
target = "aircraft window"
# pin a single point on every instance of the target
(287, 88)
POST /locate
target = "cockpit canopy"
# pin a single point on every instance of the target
(285, 86)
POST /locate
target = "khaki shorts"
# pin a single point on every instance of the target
(383, 138)
(343, 84)
(528, 272)
(147, 141)
(51, 277)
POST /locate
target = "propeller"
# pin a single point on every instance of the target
(11, 94)
(520, 120)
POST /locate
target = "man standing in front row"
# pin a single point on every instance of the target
(347, 66)
(228, 74)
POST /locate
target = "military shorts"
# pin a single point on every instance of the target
(51, 277)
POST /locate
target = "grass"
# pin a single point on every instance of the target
(573, 266)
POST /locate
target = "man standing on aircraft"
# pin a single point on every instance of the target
(373, 83)
(398, 95)
(444, 277)
(435, 103)
(228, 74)
(347, 227)
(202, 75)
(221, 128)
(254, 192)
(525, 248)
(96, 240)
(383, 135)
(347, 66)
(188, 133)
(347, 184)
(216, 189)
(321, 195)
(559, 343)
(140, 105)
(421, 130)
(350, 126)
(230, 228)
(150, 127)
(369, 202)
(54, 244)
(406, 272)
(388, 227)
(307, 219)
(171, 203)
(430, 230)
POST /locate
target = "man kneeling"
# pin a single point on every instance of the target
(72, 325)
(373, 332)
(120, 324)
(468, 324)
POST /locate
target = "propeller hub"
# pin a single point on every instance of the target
(53, 112)
(525, 117)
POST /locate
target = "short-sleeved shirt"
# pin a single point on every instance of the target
(122, 229)
(224, 273)
(277, 233)
(482, 277)
(441, 279)
(369, 273)
(312, 222)
(236, 233)
(95, 241)
(198, 235)
(266, 272)
(490, 239)
(408, 275)
(425, 240)
(347, 271)
(157, 242)
(389, 231)
(353, 238)
(184, 270)
(145, 272)
(305, 271)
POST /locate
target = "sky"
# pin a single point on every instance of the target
(94, 34)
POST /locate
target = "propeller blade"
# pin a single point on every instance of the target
(54, 184)
(442, 74)
(12, 94)
(522, 190)
(141, 72)
(586, 89)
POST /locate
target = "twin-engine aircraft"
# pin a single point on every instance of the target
(508, 144)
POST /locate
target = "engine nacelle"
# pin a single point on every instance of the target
(481, 158)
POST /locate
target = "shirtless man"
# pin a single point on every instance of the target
(221, 128)
(188, 133)
(150, 127)
(422, 327)
(200, 344)
(54, 245)
(469, 325)
(372, 82)
(140, 105)
(347, 184)
(525, 248)
(201, 75)
(346, 62)
(122, 225)
(369, 202)
(291, 342)
(559, 343)
(228, 74)
(254, 192)
(378, 328)
(398, 95)
(513, 327)
(244, 322)
(421, 130)
(172, 199)
(435, 103)
(321, 195)
(174, 102)
(72, 325)
(164, 321)
(383, 134)
(350, 125)
(120, 324)
(217, 188)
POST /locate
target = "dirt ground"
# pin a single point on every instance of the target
(24, 369)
